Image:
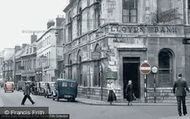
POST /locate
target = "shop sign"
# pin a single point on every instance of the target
(142, 29)
(111, 75)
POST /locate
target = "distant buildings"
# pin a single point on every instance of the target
(49, 50)
(38, 60)
(8, 64)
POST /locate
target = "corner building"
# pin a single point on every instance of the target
(117, 36)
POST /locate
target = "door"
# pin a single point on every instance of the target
(131, 72)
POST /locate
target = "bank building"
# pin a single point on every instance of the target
(110, 39)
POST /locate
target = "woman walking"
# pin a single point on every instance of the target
(111, 92)
(129, 92)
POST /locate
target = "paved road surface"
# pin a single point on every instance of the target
(82, 111)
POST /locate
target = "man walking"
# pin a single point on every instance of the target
(180, 87)
(27, 92)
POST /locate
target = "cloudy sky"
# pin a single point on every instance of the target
(26, 15)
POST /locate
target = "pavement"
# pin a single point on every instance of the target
(123, 103)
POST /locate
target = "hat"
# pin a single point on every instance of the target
(180, 75)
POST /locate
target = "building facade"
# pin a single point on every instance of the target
(113, 37)
(49, 50)
(8, 64)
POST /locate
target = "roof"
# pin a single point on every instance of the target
(69, 6)
(68, 80)
(51, 28)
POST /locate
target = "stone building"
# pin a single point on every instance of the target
(49, 50)
(113, 37)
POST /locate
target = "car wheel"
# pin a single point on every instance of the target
(53, 98)
(57, 98)
(73, 99)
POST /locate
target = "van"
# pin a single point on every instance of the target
(65, 88)
(9, 86)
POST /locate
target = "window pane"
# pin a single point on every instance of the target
(125, 12)
(133, 12)
(64, 84)
(125, 19)
(133, 19)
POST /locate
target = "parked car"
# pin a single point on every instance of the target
(65, 88)
(20, 85)
(9, 86)
(49, 87)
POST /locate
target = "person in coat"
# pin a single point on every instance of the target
(27, 92)
(179, 89)
(111, 92)
(129, 92)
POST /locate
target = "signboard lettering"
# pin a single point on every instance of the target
(143, 29)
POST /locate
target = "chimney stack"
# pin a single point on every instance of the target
(17, 48)
(24, 45)
(33, 38)
(50, 24)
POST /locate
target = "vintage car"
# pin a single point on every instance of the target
(9, 86)
(65, 88)
(49, 88)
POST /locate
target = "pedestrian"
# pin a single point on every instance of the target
(27, 91)
(111, 92)
(179, 89)
(129, 92)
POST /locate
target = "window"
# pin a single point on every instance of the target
(79, 22)
(70, 67)
(189, 11)
(70, 27)
(79, 68)
(129, 11)
(97, 16)
(64, 84)
(165, 68)
(97, 65)
(164, 5)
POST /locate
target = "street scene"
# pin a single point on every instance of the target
(105, 59)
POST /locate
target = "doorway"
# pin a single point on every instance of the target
(131, 72)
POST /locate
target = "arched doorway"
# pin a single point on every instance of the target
(165, 61)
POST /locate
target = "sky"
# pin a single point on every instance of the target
(26, 15)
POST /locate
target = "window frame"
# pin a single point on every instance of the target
(129, 17)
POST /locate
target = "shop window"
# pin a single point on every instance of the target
(129, 11)
(165, 68)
